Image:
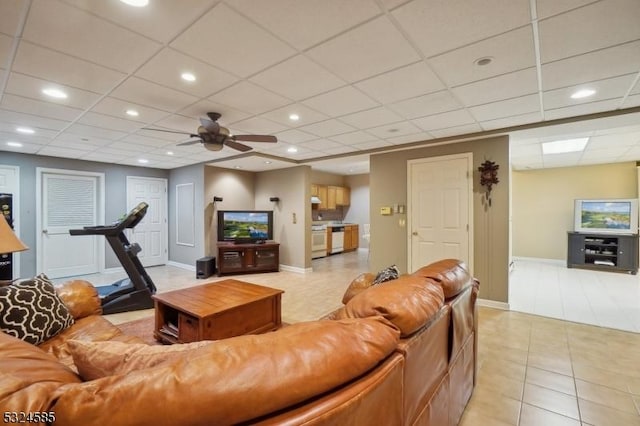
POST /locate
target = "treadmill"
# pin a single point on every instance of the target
(129, 294)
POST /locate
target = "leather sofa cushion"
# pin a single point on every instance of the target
(100, 359)
(360, 283)
(236, 379)
(452, 274)
(408, 302)
(29, 376)
(80, 297)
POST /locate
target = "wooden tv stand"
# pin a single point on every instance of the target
(247, 258)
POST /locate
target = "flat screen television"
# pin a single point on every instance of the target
(615, 216)
(245, 225)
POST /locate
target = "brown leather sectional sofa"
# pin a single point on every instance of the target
(398, 353)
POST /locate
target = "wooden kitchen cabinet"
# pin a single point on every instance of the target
(322, 194)
(331, 197)
(351, 237)
(314, 190)
(343, 196)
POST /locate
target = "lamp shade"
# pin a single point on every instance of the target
(9, 243)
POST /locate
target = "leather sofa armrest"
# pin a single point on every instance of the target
(80, 297)
(358, 285)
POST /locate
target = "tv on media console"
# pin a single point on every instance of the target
(245, 225)
(614, 216)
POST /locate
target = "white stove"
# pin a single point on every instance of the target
(318, 241)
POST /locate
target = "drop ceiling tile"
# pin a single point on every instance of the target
(92, 142)
(613, 141)
(165, 136)
(143, 92)
(258, 126)
(306, 115)
(228, 40)
(167, 66)
(365, 51)
(102, 42)
(109, 122)
(410, 138)
(391, 4)
(339, 150)
(546, 8)
(631, 101)
(515, 120)
(36, 107)
(430, 104)
(79, 146)
(371, 118)
(8, 133)
(509, 52)
(402, 83)
(306, 23)
(429, 22)
(523, 151)
(561, 160)
(498, 88)
(584, 30)
(373, 145)
(582, 109)
(353, 138)
(605, 89)
(57, 67)
(160, 20)
(29, 120)
(320, 145)
(295, 136)
(394, 130)
(10, 12)
(147, 141)
(5, 48)
(177, 122)
(598, 65)
(444, 120)
(30, 87)
(341, 101)
(129, 147)
(502, 109)
(102, 157)
(298, 78)
(246, 96)
(327, 128)
(118, 108)
(90, 131)
(24, 149)
(200, 109)
(456, 130)
(55, 151)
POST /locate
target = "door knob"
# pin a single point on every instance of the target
(414, 233)
(45, 231)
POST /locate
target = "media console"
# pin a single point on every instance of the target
(607, 252)
(247, 258)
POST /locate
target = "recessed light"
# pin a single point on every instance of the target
(267, 162)
(187, 76)
(481, 62)
(143, 161)
(564, 146)
(55, 93)
(237, 167)
(169, 152)
(582, 93)
(133, 112)
(294, 117)
(292, 149)
(14, 144)
(136, 3)
(25, 130)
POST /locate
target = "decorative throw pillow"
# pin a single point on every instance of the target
(387, 274)
(32, 311)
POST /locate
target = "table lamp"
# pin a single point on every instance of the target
(9, 243)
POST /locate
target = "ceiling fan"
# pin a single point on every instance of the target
(214, 137)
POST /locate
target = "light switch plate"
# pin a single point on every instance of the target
(385, 211)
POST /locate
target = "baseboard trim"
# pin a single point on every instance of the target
(493, 304)
(540, 260)
(182, 265)
(115, 270)
(295, 269)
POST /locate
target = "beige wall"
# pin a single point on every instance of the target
(543, 203)
(388, 185)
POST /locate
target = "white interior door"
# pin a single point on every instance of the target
(69, 200)
(440, 209)
(152, 232)
(10, 184)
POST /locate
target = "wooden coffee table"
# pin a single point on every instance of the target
(216, 311)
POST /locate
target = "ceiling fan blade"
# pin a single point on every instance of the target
(237, 145)
(255, 138)
(211, 126)
(189, 142)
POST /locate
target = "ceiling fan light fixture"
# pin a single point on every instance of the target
(213, 146)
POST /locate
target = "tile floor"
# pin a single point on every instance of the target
(533, 371)
(606, 299)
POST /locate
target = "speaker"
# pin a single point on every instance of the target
(205, 267)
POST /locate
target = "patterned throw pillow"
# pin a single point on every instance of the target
(387, 274)
(32, 311)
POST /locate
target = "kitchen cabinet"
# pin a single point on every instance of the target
(322, 194)
(343, 196)
(351, 237)
(331, 196)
